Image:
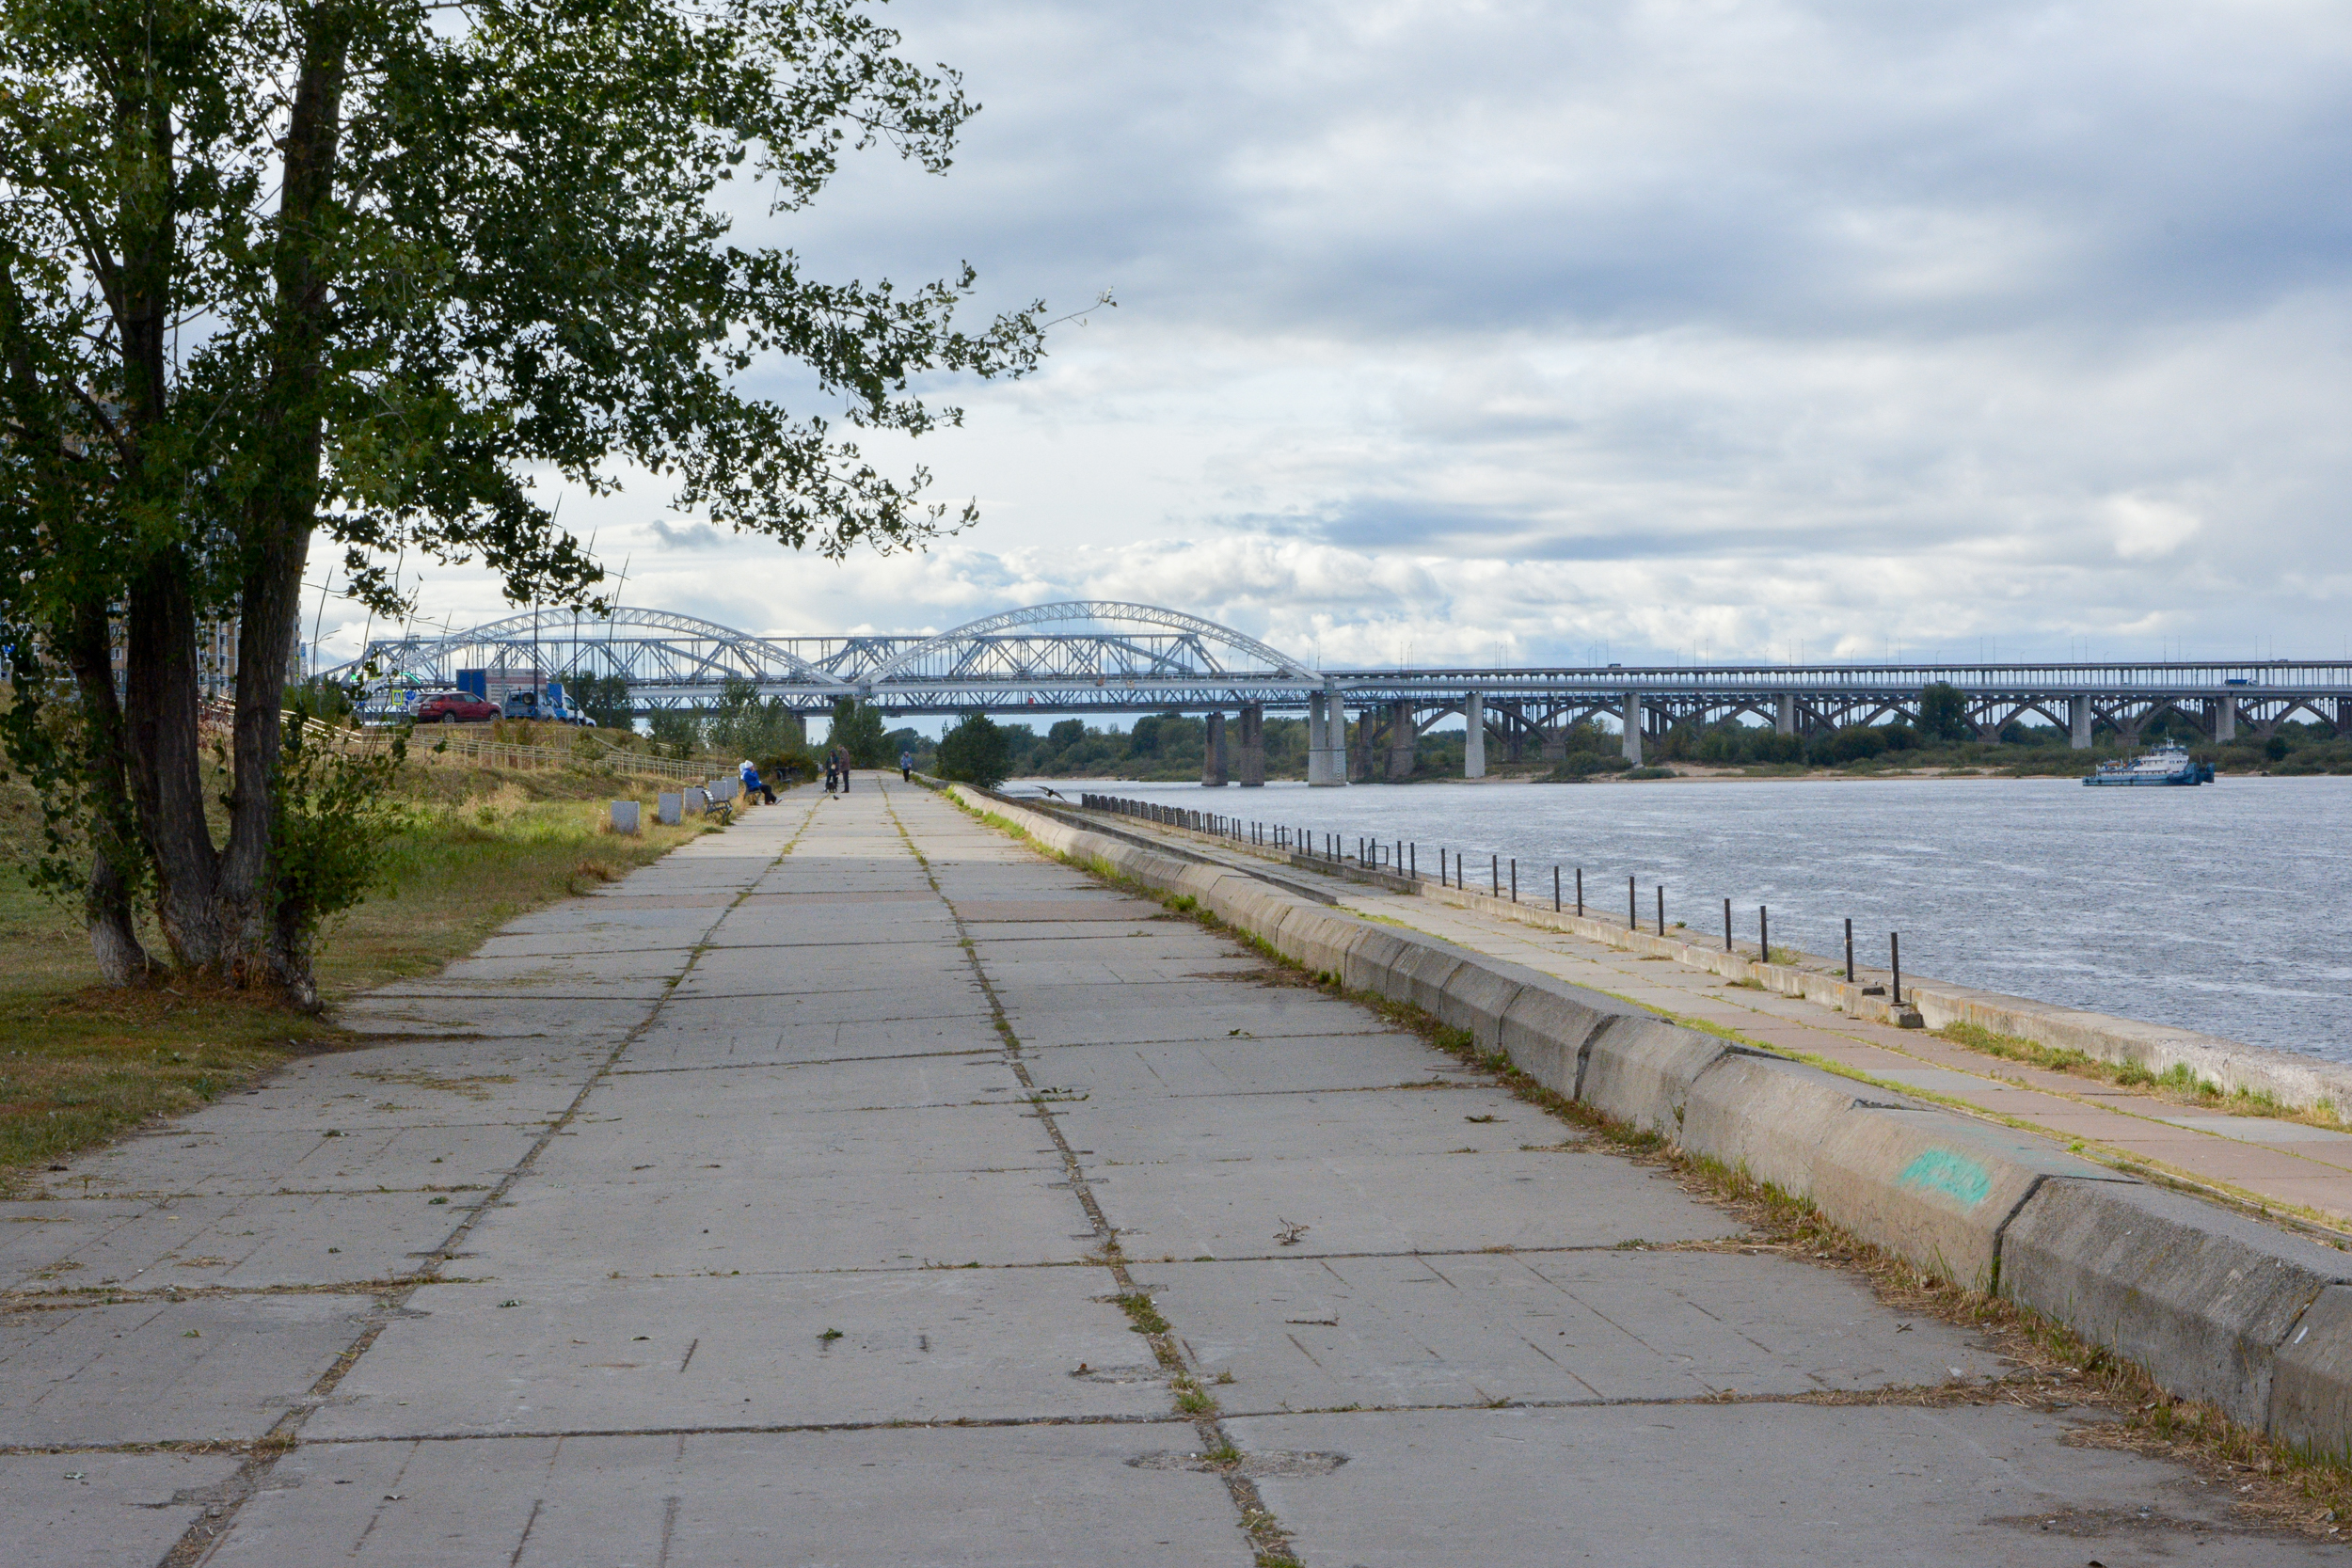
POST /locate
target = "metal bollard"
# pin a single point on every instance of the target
(1850, 952)
(1555, 890)
(1494, 875)
(1661, 908)
(1895, 959)
(1764, 933)
(1580, 893)
(1633, 907)
(1727, 924)
(1514, 880)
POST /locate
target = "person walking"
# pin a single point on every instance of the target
(842, 755)
(754, 785)
(831, 773)
(906, 765)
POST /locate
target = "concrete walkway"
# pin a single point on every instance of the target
(2288, 1166)
(805, 1199)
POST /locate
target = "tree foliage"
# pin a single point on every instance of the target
(359, 269)
(1944, 713)
(748, 726)
(603, 698)
(973, 752)
(857, 728)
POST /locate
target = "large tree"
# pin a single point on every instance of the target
(359, 269)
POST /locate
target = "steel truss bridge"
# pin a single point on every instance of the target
(1141, 659)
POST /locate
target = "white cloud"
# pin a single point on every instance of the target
(2150, 529)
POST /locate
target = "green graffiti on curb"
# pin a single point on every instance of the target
(1941, 1170)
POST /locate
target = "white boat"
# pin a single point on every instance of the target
(2166, 766)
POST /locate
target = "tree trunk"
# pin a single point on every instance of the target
(106, 897)
(281, 513)
(162, 751)
(167, 763)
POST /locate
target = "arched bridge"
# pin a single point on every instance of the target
(1099, 656)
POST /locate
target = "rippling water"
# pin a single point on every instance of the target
(2221, 909)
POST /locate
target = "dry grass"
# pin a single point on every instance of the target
(81, 1062)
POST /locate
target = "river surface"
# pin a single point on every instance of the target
(2226, 908)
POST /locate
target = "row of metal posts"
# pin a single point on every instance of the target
(1404, 859)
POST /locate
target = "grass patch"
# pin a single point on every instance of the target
(2176, 1083)
(1143, 1316)
(81, 1062)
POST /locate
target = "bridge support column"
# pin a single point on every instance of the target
(1513, 730)
(2078, 720)
(1360, 762)
(1249, 767)
(1474, 738)
(2224, 720)
(1327, 755)
(1634, 728)
(1213, 754)
(1403, 742)
(1785, 714)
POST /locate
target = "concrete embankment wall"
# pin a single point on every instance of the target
(2298, 1083)
(2217, 1306)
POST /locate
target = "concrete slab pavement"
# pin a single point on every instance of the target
(845, 1249)
(1742, 1484)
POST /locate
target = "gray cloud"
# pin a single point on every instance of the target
(1536, 328)
(686, 536)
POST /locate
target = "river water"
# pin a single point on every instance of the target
(2221, 909)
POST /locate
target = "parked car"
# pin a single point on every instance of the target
(527, 702)
(455, 707)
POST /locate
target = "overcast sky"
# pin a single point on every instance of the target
(1586, 330)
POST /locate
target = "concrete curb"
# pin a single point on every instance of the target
(2217, 1306)
(2170, 1281)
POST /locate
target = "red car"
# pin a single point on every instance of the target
(455, 707)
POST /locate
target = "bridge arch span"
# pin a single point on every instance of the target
(1202, 632)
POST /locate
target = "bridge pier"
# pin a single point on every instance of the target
(1360, 762)
(2224, 720)
(1213, 754)
(1473, 736)
(1634, 728)
(1402, 747)
(1327, 762)
(1250, 765)
(2078, 716)
(1785, 714)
